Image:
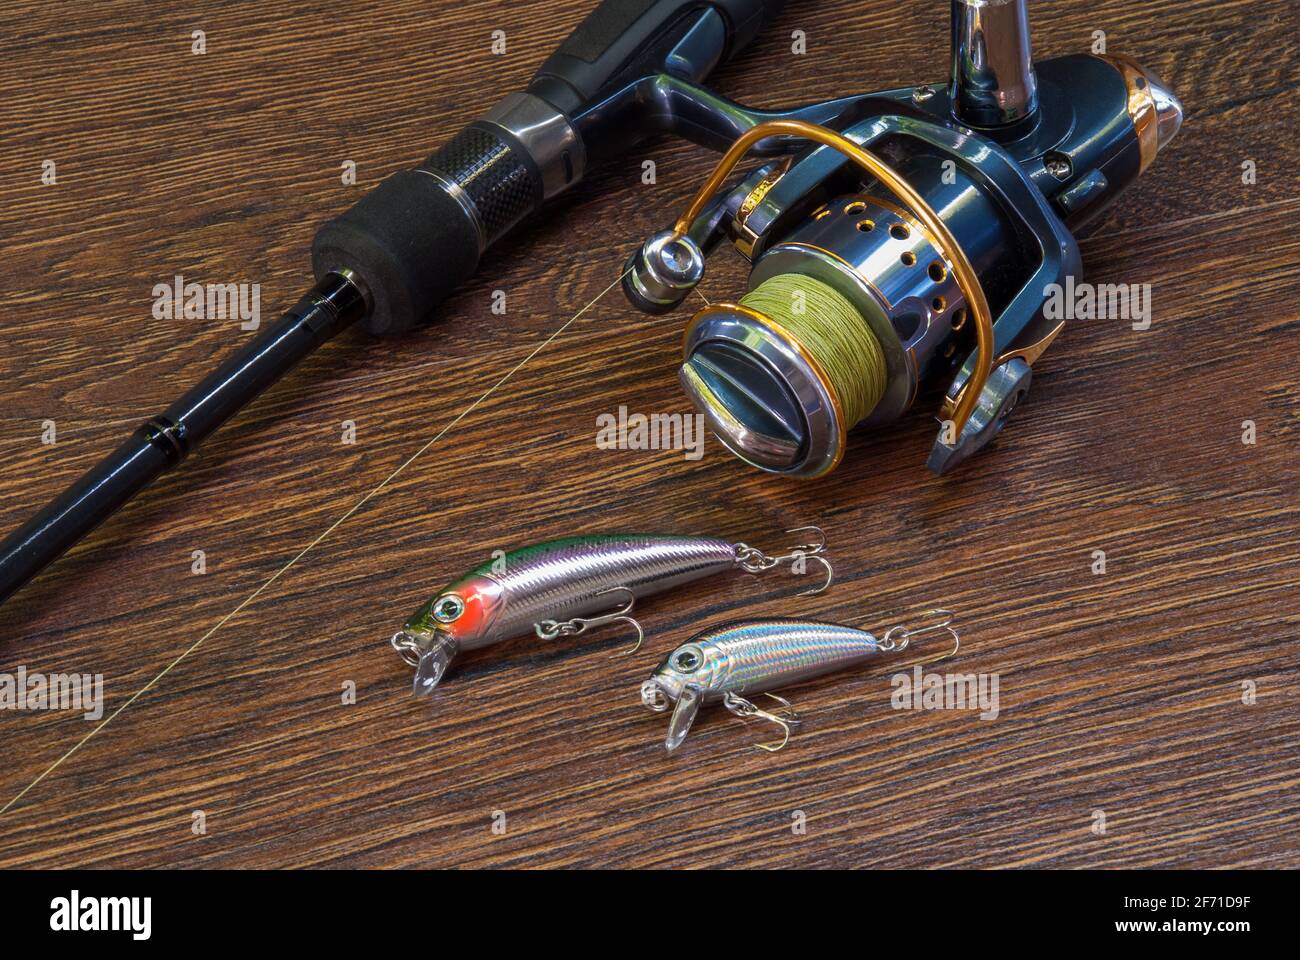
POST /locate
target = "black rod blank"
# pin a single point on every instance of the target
(163, 441)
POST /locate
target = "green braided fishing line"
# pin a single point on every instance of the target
(831, 330)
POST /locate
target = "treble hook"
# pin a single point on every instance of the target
(752, 560)
(550, 629)
(818, 547)
(744, 709)
(888, 642)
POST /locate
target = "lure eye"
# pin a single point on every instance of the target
(687, 660)
(448, 608)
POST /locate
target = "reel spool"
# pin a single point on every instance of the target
(842, 315)
(843, 320)
(783, 375)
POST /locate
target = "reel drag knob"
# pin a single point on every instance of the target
(663, 272)
(748, 405)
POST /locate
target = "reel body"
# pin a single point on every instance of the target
(931, 258)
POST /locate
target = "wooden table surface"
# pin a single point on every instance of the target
(1123, 694)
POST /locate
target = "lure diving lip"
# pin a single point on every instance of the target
(563, 587)
(728, 663)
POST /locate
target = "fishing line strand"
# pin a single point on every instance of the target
(307, 549)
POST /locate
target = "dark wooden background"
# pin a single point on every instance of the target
(1120, 693)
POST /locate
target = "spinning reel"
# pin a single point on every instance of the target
(900, 236)
(896, 236)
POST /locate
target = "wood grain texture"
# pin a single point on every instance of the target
(1119, 693)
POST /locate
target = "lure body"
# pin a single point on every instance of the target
(748, 657)
(555, 581)
(754, 656)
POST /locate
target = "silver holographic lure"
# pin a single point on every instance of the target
(730, 662)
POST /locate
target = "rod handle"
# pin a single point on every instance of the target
(419, 234)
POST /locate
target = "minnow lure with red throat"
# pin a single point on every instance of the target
(563, 587)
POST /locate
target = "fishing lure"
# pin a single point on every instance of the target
(728, 662)
(564, 587)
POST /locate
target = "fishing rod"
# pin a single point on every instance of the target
(895, 236)
(391, 259)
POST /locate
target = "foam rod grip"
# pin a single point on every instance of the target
(418, 235)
